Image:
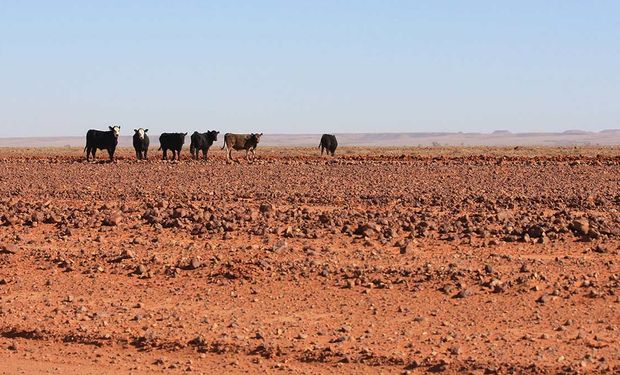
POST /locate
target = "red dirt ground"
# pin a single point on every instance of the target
(377, 261)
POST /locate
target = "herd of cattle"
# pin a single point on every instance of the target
(200, 142)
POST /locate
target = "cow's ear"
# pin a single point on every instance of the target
(146, 130)
(135, 130)
(185, 133)
(111, 128)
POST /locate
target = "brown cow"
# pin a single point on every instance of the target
(247, 142)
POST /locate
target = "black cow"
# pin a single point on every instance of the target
(247, 142)
(141, 143)
(102, 140)
(202, 142)
(329, 143)
(173, 142)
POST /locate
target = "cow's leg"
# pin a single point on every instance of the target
(94, 152)
(164, 155)
(321, 150)
(87, 153)
(138, 154)
(253, 155)
(111, 154)
(205, 154)
(145, 151)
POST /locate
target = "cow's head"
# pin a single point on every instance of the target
(212, 135)
(116, 130)
(257, 136)
(141, 132)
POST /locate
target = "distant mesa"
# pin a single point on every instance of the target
(610, 131)
(501, 132)
(575, 132)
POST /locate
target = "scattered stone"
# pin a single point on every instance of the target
(600, 249)
(8, 249)
(195, 263)
(128, 254)
(581, 227)
(463, 293)
(114, 219)
(141, 270)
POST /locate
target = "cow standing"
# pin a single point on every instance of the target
(102, 140)
(247, 142)
(141, 143)
(173, 142)
(329, 143)
(202, 142)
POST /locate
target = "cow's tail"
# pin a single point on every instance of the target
(223, 147)
(85, 147)
(159, 149)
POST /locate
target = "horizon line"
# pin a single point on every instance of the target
(498, 131)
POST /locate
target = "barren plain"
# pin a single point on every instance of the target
(381, 260)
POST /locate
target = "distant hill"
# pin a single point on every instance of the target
(497, 138)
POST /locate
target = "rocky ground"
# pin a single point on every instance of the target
(377, 261)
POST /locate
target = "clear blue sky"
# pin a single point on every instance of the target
(308, 66)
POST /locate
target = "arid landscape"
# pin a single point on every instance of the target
(476, 260)
(498, 138)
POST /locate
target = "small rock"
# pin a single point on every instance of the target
(8, 249)
(580, 227)
(128, 254)
(114, 219)
(338, 339)
(600, 249)
(454, 350)
(536, 231)
(524, 268)
(141, 269)
(408, 248)
(195, 263)
(463, 293)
